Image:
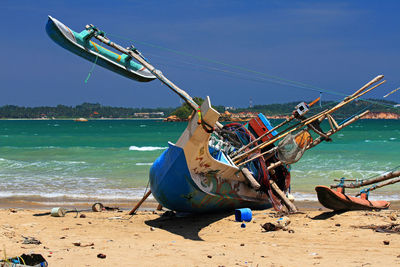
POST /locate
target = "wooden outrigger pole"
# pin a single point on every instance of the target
(318, 117)
(360, 183)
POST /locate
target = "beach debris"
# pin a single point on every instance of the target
(115, 218)
(386, 242)
(25, 260)
(338, 225)
(82, 216)
(393, 216)
(209, 256)
(152, 228)
(31, 240)
(283, 221)
(12, 210)
(243, 225)
(269, 227)
(393, 228)
(58, 212)
(97, 207)
(79, 244)
(243, 215)
(101, 256)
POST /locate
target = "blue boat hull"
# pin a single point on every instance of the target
(173, 187)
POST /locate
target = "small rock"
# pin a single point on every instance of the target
(209, 256)
(101, 256)
(13, 210)
(386, 242)
(242, 245)
(338, 224)
(82, 216)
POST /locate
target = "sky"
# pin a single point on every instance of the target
(228, 50)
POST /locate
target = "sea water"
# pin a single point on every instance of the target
(68, 161)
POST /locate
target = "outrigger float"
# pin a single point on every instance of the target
(215, 167)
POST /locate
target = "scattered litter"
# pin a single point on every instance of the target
(97, 207)
(152, 228)
(243, 225)
(269, 227)
(115, 218)
(390, 228)
(243, 215)
(25, 260)
(313, 253)
(58, 212)
(31, 240)
(393, 216)
(79, 244)
(283, 221)
(101, 256)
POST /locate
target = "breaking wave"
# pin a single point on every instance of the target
(146, 148)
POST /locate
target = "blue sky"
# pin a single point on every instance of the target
(334, 45)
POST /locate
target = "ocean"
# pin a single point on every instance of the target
(51, 161)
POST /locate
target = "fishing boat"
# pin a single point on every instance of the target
(334, 198)
(214, 167)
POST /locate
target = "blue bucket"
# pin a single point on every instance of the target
(243, 215)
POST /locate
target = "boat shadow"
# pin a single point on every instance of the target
(327, 214)
(187, 226)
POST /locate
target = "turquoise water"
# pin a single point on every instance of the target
(62, 160)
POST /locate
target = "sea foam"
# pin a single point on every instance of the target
(146, 148)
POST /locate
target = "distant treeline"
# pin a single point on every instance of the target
(88, 110)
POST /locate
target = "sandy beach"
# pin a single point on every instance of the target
(315, 236)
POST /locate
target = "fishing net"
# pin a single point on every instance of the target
(292, 147)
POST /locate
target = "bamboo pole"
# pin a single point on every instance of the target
(310, 120)
(290, 206)
(376, 79)
(380, 178)
(319, 139)
(140, 203)
(273, 129)
(185, 96)
(393, 181)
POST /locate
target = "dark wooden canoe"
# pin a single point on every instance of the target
(337, 201)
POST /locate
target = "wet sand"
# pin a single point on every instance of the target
(150, 238)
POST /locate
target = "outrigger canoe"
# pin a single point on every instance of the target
(81, 45)
(337, 201)
(214, 167)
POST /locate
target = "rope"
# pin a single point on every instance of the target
(91, 69)
(274, 78)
